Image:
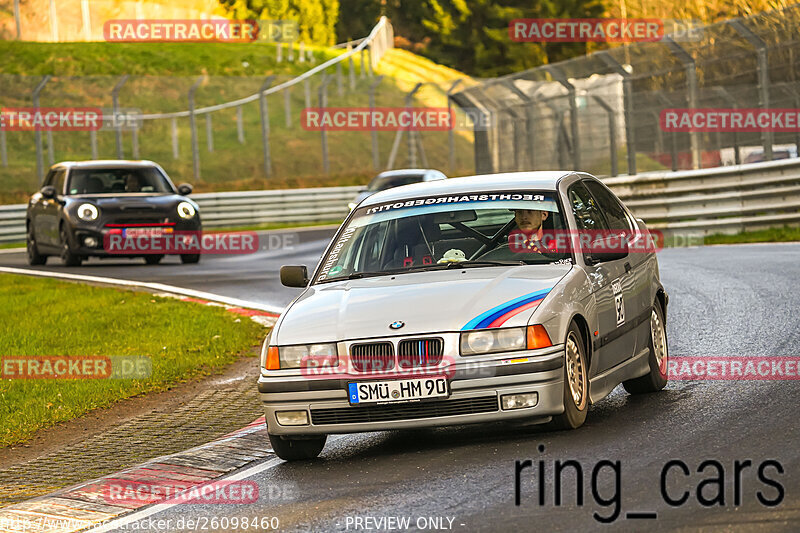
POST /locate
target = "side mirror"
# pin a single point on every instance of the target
(184, 189)
(603, 251)
(294, 276)
(48, 191)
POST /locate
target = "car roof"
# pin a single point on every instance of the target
(405, 172)
(545, 180)
(105, 163)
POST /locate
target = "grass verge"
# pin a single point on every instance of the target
(783, 234)
(47, 317)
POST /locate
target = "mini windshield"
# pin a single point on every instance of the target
(118, 181)
(430, 233)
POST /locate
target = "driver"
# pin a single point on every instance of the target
(132, 183)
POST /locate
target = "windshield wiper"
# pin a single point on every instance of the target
(423, 268)
(482, 262)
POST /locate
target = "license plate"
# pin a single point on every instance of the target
(402, 390)
(145, 232)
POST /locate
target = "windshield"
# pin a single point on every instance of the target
(118, 181)
(381, 184)
(429, 233)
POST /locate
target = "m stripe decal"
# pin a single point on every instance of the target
(501, 313)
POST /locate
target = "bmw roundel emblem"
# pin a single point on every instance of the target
(397, 324)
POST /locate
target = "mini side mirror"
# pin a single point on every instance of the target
(184, 189)
(48, 191)
(294, 276)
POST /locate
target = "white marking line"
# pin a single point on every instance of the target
(236, 302)
(157, 508)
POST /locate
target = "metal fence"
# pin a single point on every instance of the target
(600, 112)
(706, 201)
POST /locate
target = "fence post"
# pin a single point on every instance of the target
(290, 48)
(323, 102)
(135, 140)
(376, 161)
(17, 20)
(115, 111)
(559, 76)
(193, 126)
(763, 76)
(174, 128)
(725, 95)
(339, 81)
(451, 134)
(287, 106)
(209, 134)
(352, 73)
(265, 125)
(363, 63)
(412, 149)
(530, 128)
(279, 56)
(673, 135)
(38, 134)
(239, 125)
(691, 81)
(612, 132)
(627, 90)
(307, 92)
(301, 53)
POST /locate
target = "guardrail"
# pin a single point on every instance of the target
(716, 200)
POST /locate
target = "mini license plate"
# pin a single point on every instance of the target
(401, 390)
(145, 232)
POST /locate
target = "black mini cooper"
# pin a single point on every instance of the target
(82, 204)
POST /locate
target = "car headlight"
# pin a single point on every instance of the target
(186, 210)
(486, 341)
(306, 356)
(88, 212)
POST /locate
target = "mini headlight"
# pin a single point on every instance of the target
(492, 340)
(87, 212)
(308, 356)
(186, 210)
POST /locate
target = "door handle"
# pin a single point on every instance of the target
(627, 267)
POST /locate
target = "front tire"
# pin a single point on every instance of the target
(657, 378)
(153, 259)
(190, 259)
(576, 382)
(297, 449)
(68, 257)
(34, 257)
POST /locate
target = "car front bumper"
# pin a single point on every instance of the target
(475, 391)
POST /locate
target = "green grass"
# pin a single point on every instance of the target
(46, 317)
(784, 234)
(151, 59)
(12, 245)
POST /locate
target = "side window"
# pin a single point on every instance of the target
(48, 180)
(615, 214)
(587, 214)
(58, 182)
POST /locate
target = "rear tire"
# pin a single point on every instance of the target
(657, 378)
(576, 383)
(290, 449)
(34, 257)
(153, 259)
(190, 259)
(68, 257)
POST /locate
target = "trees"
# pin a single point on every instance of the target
(316, 18)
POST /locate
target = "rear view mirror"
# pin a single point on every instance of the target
(294, 276)
(48, 191)
(449, 217)
(184, 189)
